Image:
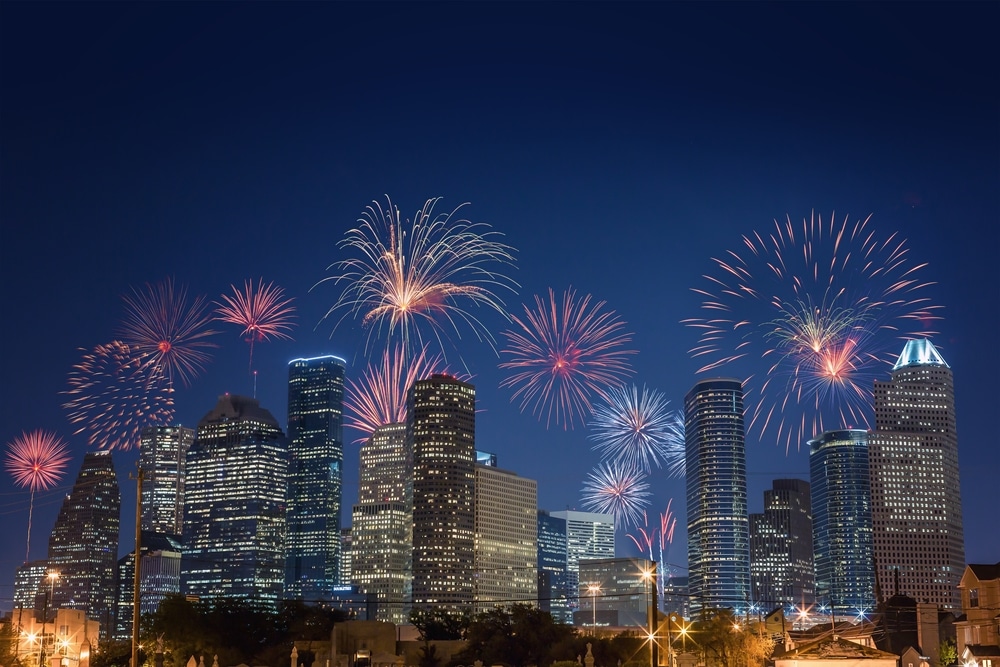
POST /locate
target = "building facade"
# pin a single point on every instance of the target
(159, 576)
(315, 484)
(781, 549)
(978, 630)
(589, 535)
(717, 524)
(506, 547)
(381, 524)
(614, 592)
(554, 593)
(83, 545)
(163, 458)
(916, 496)
(842, 521)
(234, 518)
(441, 434)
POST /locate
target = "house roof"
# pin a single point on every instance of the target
(981, 651)
(834, 647)
(985, 572)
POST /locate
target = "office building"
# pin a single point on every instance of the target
(554, 593)
(381, 524)
(27, 584)
(159, 576)
(717, 524)
(441, 434)
(614, 592)
(162, 458)
(83, 545)
(674, 596)
(589, 535)
(842, 521)
(916, 497)
(234, 516)
(316, 459)
(506, 546)
(781, 549)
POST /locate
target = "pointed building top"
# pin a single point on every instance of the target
(919, 353)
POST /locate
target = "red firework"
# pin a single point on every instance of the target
(37, 461)
(114, 396)
(263, 312)
(379, 396)
(562, 355)
(165, 333)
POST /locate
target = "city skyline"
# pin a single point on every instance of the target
(614, 163)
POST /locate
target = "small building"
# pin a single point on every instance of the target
(978, 629)
(66, 641)
(834, 651)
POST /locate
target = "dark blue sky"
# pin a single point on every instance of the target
(618, 148)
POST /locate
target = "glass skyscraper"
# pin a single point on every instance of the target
(589, 535)
(234, 514)
(916, 496)
(842, 521)
(781, 549)
(441, 433)
(162, 457)
(316, 459)
(554, 594)
(717, 523)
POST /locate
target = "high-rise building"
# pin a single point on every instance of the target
(554, 594)
(842, 521)
(781, 549)
(27, 584)
(316, 459)
(506, 525)
(346, 556)
(717, 524)
(83, 545)
(441, 434)
(162, 458)
(589, 535)
(381, 523)
(916, 496)
(234, 509)
(159, 576)
(614, 591)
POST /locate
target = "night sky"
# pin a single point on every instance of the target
(617, 147)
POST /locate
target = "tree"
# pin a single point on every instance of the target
(520, 635)
(726, 642)
(437, 624)
(948, 652)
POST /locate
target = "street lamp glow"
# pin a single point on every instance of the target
(594, 590)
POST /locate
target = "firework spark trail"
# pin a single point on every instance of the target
(617, 490)
(378, 397)
(645, 537)
(36, 460)
(563, 354)
(666, 533)
(822, 305)
(165, 333)
(424, 273)
(263, 312)
(114, 396)
(637, 429)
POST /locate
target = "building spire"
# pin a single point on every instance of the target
(919, 352)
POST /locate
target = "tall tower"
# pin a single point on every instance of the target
(441, 432)
(554, 594)
(589, 535)
(506, 538)
(163, 457)
(234, 517)
(83, 545)
(842, 521)
(781, 550)
(382, 522)
(316, 459)
(717, 524)
(916, 498)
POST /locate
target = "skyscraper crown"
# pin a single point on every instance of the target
(919, 353)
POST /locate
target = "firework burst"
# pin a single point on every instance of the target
(114, 396)
(416, 278)
(821, 305)
(37, 461)
(638, 429)
(169, 336)
(263, 312)
(562, 355)
(618, 490)
(379, 396)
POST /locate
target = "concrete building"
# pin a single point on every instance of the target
(614, 592)
(67, 638)
(915, 491)
(163, 460)
(781, 549)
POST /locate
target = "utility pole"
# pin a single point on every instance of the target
(140, 475)
(653, 618)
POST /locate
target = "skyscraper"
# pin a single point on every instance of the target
(234, 518)
(842, 521)
(506, 562)
(83, 545)
(159, 576)
(441, 433)
(717, 524)
(916, 497)
(781, 549)
(162, 457)
(381, 523)
(588, 535)
(554, 594)
(316, 459)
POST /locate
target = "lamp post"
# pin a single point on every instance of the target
(652, 617)
(594, 590)
(52, 576)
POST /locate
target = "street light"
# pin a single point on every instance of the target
(594, 590)
(650, 576)
(45, 617)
